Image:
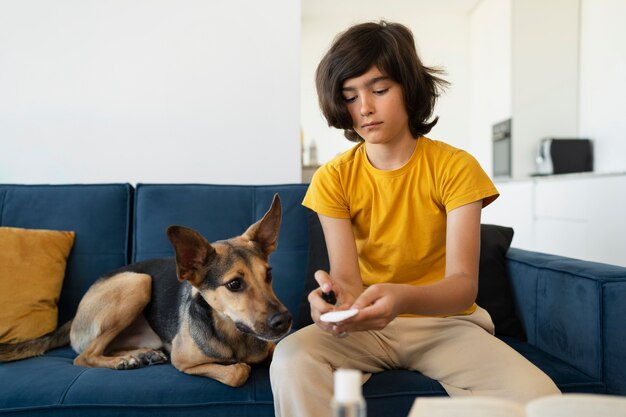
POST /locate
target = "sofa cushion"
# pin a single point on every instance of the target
(63, 389)
(32, 267)
(99, 214)
(224, 211)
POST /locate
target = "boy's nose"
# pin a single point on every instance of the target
(367, 107)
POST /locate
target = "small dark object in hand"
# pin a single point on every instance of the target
(329, 297)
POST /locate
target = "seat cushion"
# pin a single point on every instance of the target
(51, 385)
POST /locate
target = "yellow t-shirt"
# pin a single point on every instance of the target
(399, 217)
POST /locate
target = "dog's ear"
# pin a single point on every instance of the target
(193, 253)
(265, 231)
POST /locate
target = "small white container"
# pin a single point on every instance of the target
(348, 399)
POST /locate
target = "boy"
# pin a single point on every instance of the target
(401, 219)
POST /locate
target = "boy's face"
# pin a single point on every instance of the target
(376, 105)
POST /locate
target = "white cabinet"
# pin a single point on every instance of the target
(607, 220)
(578, 215)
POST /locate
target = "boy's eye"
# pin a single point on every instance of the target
(381, 91)
(349, 99)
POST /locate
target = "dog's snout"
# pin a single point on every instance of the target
(279, 321)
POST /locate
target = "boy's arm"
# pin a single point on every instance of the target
(342, 256)
(344, 278)
(381, 303)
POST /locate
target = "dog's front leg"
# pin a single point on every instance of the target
(233, 375)
(187, 357)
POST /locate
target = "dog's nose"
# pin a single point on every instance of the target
(279, 321)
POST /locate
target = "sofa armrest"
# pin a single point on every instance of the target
(574, 310)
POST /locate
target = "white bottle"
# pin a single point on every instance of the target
(348, 399)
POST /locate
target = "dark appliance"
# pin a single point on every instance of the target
(563, 156)
(501, 137)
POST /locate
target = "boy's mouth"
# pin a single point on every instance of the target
(371, 124)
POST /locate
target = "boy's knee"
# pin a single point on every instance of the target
(541, 388)
(289, 354)
(535, 386)
(280, 356)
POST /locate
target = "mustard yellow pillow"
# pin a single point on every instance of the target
(32, 267)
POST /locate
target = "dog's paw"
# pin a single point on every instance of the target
(238, 374)
(130, 362)
(153, 357)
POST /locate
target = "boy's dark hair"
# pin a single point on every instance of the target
(391, 48)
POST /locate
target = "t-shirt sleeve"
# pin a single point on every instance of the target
(326, 195)
(463, 181)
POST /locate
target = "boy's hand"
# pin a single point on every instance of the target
(378, 305)
(319, 306)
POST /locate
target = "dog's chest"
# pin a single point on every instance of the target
(219, 338)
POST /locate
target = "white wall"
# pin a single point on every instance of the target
(545, 60)
(208, 91)
(489, 75)
(149, 91)
(558, 68)
(567, 78)
(603, 81)
(442, 41)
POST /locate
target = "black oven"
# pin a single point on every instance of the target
(501, 149)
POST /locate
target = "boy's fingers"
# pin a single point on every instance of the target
(318, 303)
(366, 299)
(323, 280)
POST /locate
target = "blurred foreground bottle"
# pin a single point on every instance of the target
(348, 400)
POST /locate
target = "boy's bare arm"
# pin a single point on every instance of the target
(344, 266)
(344, 278)
(381, 303)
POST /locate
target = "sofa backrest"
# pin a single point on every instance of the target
(99, 214)
(220, 212)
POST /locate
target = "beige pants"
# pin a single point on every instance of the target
(460, 352)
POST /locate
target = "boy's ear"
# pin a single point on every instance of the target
(265, 231)
(193, 253)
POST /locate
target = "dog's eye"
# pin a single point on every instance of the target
(268, 276)
(235, 285)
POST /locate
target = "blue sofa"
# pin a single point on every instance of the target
(572, 311)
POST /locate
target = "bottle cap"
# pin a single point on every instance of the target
(348, 385)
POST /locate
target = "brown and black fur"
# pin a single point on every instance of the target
(217, 318)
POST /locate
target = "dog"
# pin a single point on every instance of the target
(211, 308)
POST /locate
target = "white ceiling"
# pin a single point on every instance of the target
(359, 8)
